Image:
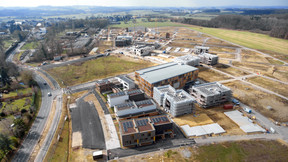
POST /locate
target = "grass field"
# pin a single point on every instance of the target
(96, 69)
(248, 39)
(30, 45)
(20, 91)
(243, 151)
(147, 24)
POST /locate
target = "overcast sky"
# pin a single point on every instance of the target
(153, 3)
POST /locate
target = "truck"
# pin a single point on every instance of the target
(236, 102)
(249, 111)
(228, 106)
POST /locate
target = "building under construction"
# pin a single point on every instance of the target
(211, 94)
(176, 102)
(170, 73)
(200, 49)
(188, 60)
(208, 59)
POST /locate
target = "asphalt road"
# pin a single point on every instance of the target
(85, 119)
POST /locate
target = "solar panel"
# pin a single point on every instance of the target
(130, 124)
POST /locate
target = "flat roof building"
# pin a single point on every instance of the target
(200, 49)
(126, 82)
(208, 59)
(176, 102)
(211, 94)
(170, 73)
(143, 131)
(125, 96)
(135, 109)
(188, 60)
(121, 41)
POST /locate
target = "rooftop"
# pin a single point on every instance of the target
(177, 95)
(165, 71)
(144, 124)
(201, 47)
(102, 82)
(123, 93)
(128, 126)
(211, 88)
(125, 79)
(161, 119)
(186, 58)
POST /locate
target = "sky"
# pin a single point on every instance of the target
(151, 3)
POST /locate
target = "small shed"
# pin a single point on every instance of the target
(97, 155)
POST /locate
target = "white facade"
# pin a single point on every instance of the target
(142, 50)
(116, 100)
(126, 82)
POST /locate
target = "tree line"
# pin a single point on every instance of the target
(275, 26)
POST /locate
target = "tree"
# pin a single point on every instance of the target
(5, 146)
(20, 128)
(4, 77)
(27, 77)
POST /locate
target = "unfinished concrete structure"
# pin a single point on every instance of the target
(121, 41)
(170, 73)
(208, 59)
(125, 96)
(200, 49)
(126, 82)
(142, 50)
(143, 131)
(176, 102)
(211, 94)
(134, 109)
(188, 60)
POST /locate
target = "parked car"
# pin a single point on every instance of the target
(49, 94)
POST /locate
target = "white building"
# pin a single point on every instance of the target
(188, 60)
(126, 82)
(142, 50)
(125, 96)
(176, 102)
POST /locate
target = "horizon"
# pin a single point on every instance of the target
(151, 4)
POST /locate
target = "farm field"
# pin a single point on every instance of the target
(248, 39)
(95, 69)
(148, 24)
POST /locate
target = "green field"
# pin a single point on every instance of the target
(95, 69)
(248, 39)
(23, 103)
(7, 43)
(30, 45)
(15, 93)
(243, 151)
(148, 24)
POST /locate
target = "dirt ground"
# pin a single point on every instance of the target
(76, 139)
(222, 49)
(230, 70)
(260, 100)
(210, 75)
(229, 56)
(191, 120)
(274, 86)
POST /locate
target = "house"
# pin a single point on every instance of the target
(170, 73)
(211, 94)
(175, 102)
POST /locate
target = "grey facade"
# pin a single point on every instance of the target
(121, 41)
(211, 94)
(188, 60)
(176, 102)
(130, 109)
(200, 49)
(208, 59)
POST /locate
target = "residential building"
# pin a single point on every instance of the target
(188, 60)
(175, 102)
(126, 82)
(200, 49)
(125, 96)
(208, 59)
(170, 73)
(103, 85)
(136, 132)
(143, 131)
(211, 94)
(134, 109)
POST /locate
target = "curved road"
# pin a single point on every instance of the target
(32, 138)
